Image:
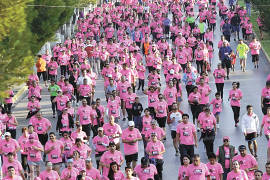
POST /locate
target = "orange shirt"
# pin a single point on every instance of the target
(41, 65)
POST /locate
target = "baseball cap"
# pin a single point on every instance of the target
(89, 160)
(242, 147)
(153, 122)
(131, 123)
(49, 164)
(100, 129)
(69, 161)
(226, 137)
(7, 134)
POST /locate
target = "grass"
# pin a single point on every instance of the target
(266, 34)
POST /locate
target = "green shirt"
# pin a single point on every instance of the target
(242, 49)
(190, 20)
(202, 27)
(53, 89)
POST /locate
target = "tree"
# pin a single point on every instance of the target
(264, 8)
(15, 58)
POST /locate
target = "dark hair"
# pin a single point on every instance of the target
(111, 173)
(212, 155)
(249, 106)
(267, 163)
(52, 133)
(196, 156)
(259, 171)
(237, 84)
(10, 167)
(267, 83)
(217, 94)
(185, 115)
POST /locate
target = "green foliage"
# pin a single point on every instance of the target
(15, 58)
(264, 8)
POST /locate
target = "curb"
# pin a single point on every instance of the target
(266, 55)
(19, 94)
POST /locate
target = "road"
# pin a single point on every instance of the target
(252, 81)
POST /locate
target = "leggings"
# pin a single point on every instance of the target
(220, 87)
(129, 112)
(53, 104)
(236, 113)
(195, 109)
(199, 66)
(24, 162)
(63, 69)
(141, 84)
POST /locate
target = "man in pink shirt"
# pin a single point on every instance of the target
(91, 171)
(130, 138)
(12, 174)
(34, 149)
(247, 162)
(186, 136)
(83, 115)
(69, 173)
(12, 162)
(155, 150)
(61, 101)
(54, 148)
(113, 131)
(266, 175)
(8, 145)
(41, 126)
(122, 90)
(197, 170)
(49, 173)
(161, 109)
(155, 129)
(145, 171)
(129, 101)
(109, 156)
(100, 143)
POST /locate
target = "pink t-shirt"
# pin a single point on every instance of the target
(197, 172)
(52, 175)
(8, 146)
(159, 131)
(84, 114)
(154, 148)
(207, 122)
(32, 154)
(186, 132)
(235, 96)
(70, 174)
(93, 173)
(145, 173)
(129, 100)
(40, 126)
(113, 107)
(100, 143)
(109, 157)
(170, 95)
(112, 130)
(266, 123)
(152, 98)
(146, 124)
(161, 108)
(266, 93)
(204, 90)
(61, 102)
(219, 75)
(255, 47)
(15, 163)
(84, 150)
(182, 172)
(217, 105)
(68, 143)
(55, 156)
(240, 175)
(265, 176)
(131, 135)
(246, 162)
(215, 170)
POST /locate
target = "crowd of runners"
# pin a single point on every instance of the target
(132, 45)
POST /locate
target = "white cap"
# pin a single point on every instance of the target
(7, 134)
(131, 123)
(172, 71)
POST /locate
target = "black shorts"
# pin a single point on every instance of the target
(44, 75)
(161, 121)
(86, 128)
(251, 136)
(255, 58)
(131, 157)
(173, 134)
(226, 64)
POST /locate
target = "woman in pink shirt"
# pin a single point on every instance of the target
(194, 100)
(155, 150)
(52, 69)
(235, 95)
(215, 168)
(141, 74)
(219, 75)
(115, 172)
(65, 122)
(266, 124)
(182, 171)
(9, 100)
(129, 99)
(33, 106)
(237, 173)
(152, 93)
(49, 173)
(255, 47)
